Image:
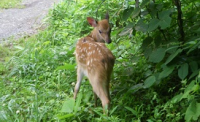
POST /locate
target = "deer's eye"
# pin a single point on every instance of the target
(100, 31)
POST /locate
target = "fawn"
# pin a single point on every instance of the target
(95, 60)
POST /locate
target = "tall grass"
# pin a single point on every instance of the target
(38, 73)
(5, 4)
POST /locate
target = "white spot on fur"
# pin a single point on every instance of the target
(88, 63)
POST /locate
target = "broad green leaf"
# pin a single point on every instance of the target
(165, 19)
(164, 13)
(147, 52)
(166, 72)
(144, 2)
(172, 56)
(158, 40)
(177, 98)
(127, 29)
(68, 106)
(194, 46)
(183, 71)
(193, 111)
(153, 24)
(159, 6)
(165, 22)
(194, 74)
(136, 12)
(188, 89)
(136, 87)
(66, 67)
(149, 81)
(127, 13)
(193, 66)
(146, 42)
(141, 26)
(157, 55)
(195, 88)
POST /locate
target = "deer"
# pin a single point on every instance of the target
(95, 60)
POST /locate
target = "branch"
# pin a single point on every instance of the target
(163, 33)
(136, 3)
(180, 21)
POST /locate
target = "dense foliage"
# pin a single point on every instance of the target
(156, 75)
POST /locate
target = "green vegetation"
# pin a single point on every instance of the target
(9, 3)
(156, 75)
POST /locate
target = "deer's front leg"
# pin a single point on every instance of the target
(80, 76)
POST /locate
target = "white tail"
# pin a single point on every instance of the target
(95, 60)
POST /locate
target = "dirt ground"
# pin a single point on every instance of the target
(18, 22)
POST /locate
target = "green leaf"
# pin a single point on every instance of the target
(132, 110)
(166, 72)
(144, 2)
(113, 110)
(78, 102)
(136, 87)
(194, 74)
(149, 81)
(183, 71)
(136, 12)
(193, 111)
(153, 24)
(68, 105)
(146, 42)
(157, 55)
(66, 67)
(158, 41)
(194, 46)
(165, 19)
(127, 13)
(172, 56)
(165, 22)
(193, 66)
(147, 52)
(141, 26)
(65, 116)
(127, 30)
(19, 47)
(188, 89)
(177, 98)
(164, 14)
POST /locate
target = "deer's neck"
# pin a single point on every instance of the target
(93, 35)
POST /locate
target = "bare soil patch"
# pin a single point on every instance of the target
(18, 22)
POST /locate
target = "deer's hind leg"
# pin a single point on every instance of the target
(101, 89)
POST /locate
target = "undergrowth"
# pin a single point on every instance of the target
(6, 4)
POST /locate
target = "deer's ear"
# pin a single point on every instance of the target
(107, 16)
(92, 21)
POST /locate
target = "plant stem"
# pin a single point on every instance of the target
(180, 21)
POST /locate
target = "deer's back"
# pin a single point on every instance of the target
(94, 56)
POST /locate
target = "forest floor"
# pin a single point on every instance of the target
(26, 20)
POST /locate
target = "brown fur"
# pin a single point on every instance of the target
(95, 60)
